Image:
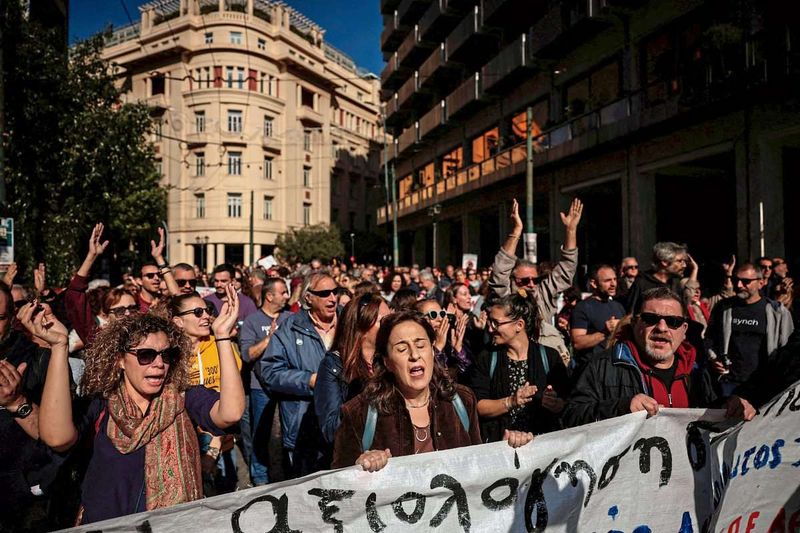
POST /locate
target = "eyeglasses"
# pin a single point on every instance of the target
(743, 281)
(197, 311)
(630, 267)
(522, 282)
(184, 282)
(150, 275)
(146, 356)
(766, 267)
(237, 279)
(120, 311)
(433, 315)
(323, 293)
(672, 322)
(494, 324)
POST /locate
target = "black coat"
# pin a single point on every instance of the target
(647, 281)
(776, 374)
(497, 386)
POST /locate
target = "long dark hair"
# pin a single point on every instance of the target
(381, 391)
(387, 282)
(522, 305)
(357, 318)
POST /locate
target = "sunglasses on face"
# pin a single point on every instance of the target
(322, 293)
(146, 356)
(237, 279)
(743, 281)
(150, 275)
(197, 311)
(433, 315)
(120, 311)
(630, 267)
(522, 282)
(184, 282)
(672, 322)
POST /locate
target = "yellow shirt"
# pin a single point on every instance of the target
(206, 358)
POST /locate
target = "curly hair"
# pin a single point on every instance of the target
(103, 375)
(381, 391)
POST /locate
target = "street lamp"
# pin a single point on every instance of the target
(433, 212)
(352, 247)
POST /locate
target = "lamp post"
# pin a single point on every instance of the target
(202, 250)
(353, 246)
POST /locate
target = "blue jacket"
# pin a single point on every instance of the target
(293, 355)
(331, 392)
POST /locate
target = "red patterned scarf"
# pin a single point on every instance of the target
(172, 454)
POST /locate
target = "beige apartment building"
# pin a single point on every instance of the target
(262, 126)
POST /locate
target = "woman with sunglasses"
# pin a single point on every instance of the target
(413, 404)
(142, 412)
(520, 384)
(448, 346)
(347, 367)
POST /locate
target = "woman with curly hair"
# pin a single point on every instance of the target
(410, 404)
(142, 413)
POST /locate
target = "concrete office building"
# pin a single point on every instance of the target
(671, 120)
(257, 116)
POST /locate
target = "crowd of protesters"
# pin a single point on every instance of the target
(164, 389)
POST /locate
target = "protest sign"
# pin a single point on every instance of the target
(684, 470)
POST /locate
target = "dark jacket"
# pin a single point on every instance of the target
(330, 393)
(396, 432)
(498, 386)
(293, 354)
(646, 281)
(778, 373)
(79, 312)
(612, 378)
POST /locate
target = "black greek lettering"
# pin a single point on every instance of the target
(419, 507)
(573, 470)
(535, 501)
(280, 507)
(494, 505)
(695, 447)
(459, 498)
(789, 398)
(645, 446)
(610, 469)
(373, 519)
(328, 496)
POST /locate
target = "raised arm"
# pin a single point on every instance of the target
(500, 280)
(157, 252)
(55, 412)
(228, 410)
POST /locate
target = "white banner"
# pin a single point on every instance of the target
(684, 470)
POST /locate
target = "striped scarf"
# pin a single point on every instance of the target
(172, 454)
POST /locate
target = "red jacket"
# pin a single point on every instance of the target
(678, 393)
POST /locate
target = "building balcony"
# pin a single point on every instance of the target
(414, 50)
(409, 137)
(407, 90)
(566, 26)
(435, 71)
(393, 74)
(308, 116)
(514, 16)
(439, 20)
(433, 121)
(388, 6)
(471, 41)
(409, 11)
(271, 144)
(466, 97)
(393, 33)
(507, 66)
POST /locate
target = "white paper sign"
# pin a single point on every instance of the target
(684, 470)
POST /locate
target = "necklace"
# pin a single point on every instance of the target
(421, 431)
(425, 403)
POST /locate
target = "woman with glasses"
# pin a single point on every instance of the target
(520, 384)
(410, 404)
(448, 345)
(345, 369)
(142, 412)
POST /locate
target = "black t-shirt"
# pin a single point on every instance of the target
(666, 375)
(748, 339)
(591, 314)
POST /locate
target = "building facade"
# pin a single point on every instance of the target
(670, 120)
(261, 126)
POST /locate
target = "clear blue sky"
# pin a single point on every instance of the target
(353, 26)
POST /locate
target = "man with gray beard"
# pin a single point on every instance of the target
(650, 366)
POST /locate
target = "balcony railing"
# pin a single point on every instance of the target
(387, 6)
(561, 30)
(408, 89)
(436, 60)
(410, 136)
(466, 93)
(512, 58)
(468, 27)
(433, 119)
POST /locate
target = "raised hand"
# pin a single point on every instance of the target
(10, 382)
(480, 321)
(10, 274)
(729, 266)
(573, 216)
(516, 221)
(39, 278)
(157, 250)
(225, 323)
(524, 394)
(695, 268)
(460, 330)
(43, 324)
(96, 248)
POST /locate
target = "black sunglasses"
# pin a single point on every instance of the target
(197, 311)
(183, 282)
(323, 293)
(120, 311)
(672, 322)
(521, 282)
(630, 267)
(150, 275)
(146, 356)
(433, 315)
(745, 281)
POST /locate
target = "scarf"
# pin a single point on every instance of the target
(172, 453)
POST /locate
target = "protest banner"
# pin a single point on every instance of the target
(682, 471)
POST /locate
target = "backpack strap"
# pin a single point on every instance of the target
(545, 362)
(493, 365)
(461, 411)
(369, 428)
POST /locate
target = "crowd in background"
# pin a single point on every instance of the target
(177, 384)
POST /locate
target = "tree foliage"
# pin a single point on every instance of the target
(304, 244)
(75, 153)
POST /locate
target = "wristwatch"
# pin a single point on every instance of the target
(22, 411)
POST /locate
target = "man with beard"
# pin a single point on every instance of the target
(185, 278)
(595, 318)
(651, 366)
(745, 330)
(669, 263)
